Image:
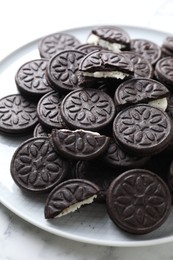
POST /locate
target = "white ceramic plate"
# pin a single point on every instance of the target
(90, 224)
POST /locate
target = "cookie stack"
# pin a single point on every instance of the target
(100, 115)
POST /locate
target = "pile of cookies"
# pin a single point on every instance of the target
(101, 115)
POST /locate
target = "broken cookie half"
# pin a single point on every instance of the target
(68, 196)
(106, 64)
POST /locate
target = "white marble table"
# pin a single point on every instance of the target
(23, 21)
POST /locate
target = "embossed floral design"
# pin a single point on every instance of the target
(142, 68)
(136, 90)
(57, 42)
(37, 166)
(143, 126)
(112, 34)
(79, 144)
(88, 109)
(165, 66)
(149, 50)
(32, 76)
(141, 200)
(117, 157)
(69, 193)
(63, 69)
(49, 110)
(17, 112)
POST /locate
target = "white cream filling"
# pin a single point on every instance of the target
(161, 103)
(76, 206)
(106, 74)
(96, 40)
(79, 130)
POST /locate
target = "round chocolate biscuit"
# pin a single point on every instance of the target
(163, 71)
(119, 159)
(31, 80)
(36, 167)
(111, 37)
(148, 49)
(141, 67)
(56, 42)
(139, 90)
(48, 110)
(17, 114)
(78, 144)
(62, 70)
(142, 129)
(69, 196)
(89, 109)
(138, 201)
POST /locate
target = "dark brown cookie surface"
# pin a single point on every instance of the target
(148, 49)
(48, 110)
(31, 80)
(68, 196)
(53, 43)
(39, 131)
(163, 71)
(78, 144)
(36, 167)
(17, 114)
(142, 129)
(139, 90)
(142, 68)
(62, 70)
(138, 201)
(106, 61)
(89, 109)
(120, 159)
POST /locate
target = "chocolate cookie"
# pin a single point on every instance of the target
(139, 90)
(48, 110)
(98, 173)
(167, 46)
(78, 144)
(17, 114)
(142, 129)
(110, 37)
(62, 70)
(148, 49)
(138, 201)
(163, 71)
(119, 159)
(141, 67)
(106, 64)
(69, 196)
(36, 167)
(39, 131)
(89, 109)
(53, 43)
(30, 79)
